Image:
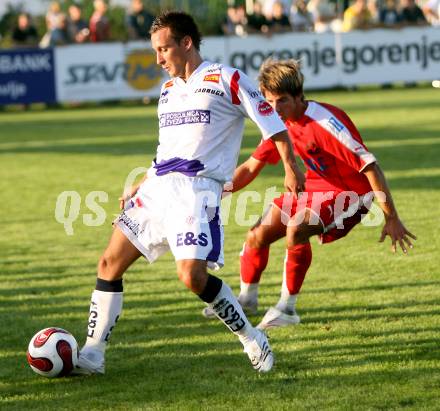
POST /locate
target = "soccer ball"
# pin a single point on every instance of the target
(53, 352)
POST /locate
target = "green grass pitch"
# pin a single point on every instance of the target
(369, 337)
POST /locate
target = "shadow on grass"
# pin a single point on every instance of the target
(181, 312)
(170, 354)
(127, 147)
(371, 287)
(386, 105)
(175, 372)
(84, 128)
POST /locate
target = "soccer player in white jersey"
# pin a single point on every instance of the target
(201, 114)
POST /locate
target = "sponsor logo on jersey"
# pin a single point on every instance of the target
(168, 84)
(162, 98)
(178, 118)
(254, 93)
(264, 108)
(215, 78)
(316, 164)
(210, 91)
(335, 124)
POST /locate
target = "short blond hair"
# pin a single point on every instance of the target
(281, 76)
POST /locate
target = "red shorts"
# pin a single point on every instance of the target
(337, 211)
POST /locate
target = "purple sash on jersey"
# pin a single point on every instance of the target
(189, 168)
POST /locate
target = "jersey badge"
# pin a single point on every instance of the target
(139, 202)
(264, 108)
(335, 124)
(254, 93)
(215, 78)
(169, 83)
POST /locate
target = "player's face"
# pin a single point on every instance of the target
(170, 55)
(284, 104)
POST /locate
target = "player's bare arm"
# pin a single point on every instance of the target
(393, 225)
(294, 180)
(245, 173)
(126, 195)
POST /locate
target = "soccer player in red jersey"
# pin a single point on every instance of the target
(341, 180)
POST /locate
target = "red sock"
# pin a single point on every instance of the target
(299, 258)
(253, 261)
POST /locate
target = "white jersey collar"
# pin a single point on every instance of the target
(200, 67)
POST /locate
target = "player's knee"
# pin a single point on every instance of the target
(185, 278)
(193, 280)
(250, 239)
(107, 267)
(298, 234)
(253, 240)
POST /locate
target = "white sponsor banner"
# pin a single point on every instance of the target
(341, 59)
(96, 72)
(114, 71)
(387, 56)
(316, 51)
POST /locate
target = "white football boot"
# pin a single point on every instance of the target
(90, 362)
(259, 352)
(276, 318)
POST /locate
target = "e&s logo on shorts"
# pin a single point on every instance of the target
(189, 238)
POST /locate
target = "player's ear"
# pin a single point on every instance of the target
(187, 42)
(299, 98)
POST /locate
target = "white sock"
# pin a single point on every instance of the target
(248, 292)
(287, 305)
(287, 301)
(227, 309)
(105, 309)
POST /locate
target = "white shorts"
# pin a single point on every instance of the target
(178, 213)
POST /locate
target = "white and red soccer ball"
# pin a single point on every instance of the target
(53, 352)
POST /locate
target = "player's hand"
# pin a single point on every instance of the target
(398, 234)
(127, 195)
(295, 181)
(227, 189)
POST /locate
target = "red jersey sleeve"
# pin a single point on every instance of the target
(267, 152)
(342, 138)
